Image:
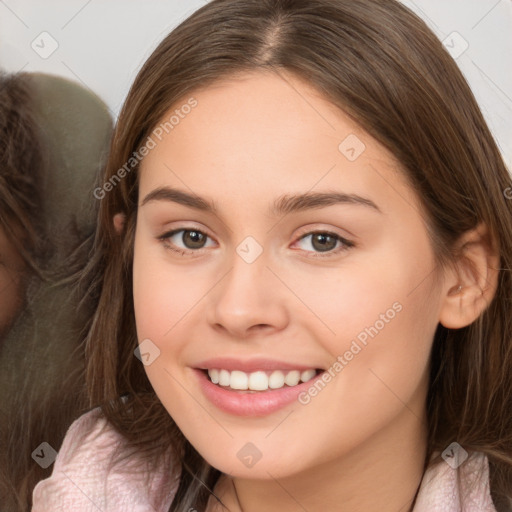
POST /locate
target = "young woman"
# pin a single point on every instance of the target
(301, 276)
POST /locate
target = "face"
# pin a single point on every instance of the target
(301, 255)
(11, 283)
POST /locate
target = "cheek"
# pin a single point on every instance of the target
(384, 340)
(160, 301)
(338, 302)
(381, 320)
(148, 292)
(163, 294)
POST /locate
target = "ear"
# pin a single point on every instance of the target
(471, 286)
(119, 221)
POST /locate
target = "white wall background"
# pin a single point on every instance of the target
(102, 44)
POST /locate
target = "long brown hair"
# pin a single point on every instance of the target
(383, 66)
(22, 170)
(41, 359)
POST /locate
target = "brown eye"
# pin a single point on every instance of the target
(193, 239)
(184, 240)
(325, 242)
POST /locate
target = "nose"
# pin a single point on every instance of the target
(248, 299)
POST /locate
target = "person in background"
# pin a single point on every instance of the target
(54, 135)
(21, 172)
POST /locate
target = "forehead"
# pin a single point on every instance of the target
(260, 133)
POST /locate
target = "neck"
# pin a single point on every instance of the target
(383, 474)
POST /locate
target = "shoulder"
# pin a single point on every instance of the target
(84, 478)
(452, 485)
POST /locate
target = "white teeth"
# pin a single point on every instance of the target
(224, 378)
(214, 375)
(292, 378)
(259, 380)
(307, 375)
(276, 380)
(239, 380)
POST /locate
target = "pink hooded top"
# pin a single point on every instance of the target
(83, 481)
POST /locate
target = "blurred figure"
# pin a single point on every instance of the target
(21, 168)
(54, 135)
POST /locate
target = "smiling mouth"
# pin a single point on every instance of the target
(260, 380)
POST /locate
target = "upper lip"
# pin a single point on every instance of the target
(250, 365)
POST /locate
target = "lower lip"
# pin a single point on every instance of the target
(243, 403)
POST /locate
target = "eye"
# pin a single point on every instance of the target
(326, 242)
(192, 239)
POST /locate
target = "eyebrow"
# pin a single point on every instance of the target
(282, 205)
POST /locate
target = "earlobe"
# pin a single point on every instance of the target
(119, 220)
(472, 286)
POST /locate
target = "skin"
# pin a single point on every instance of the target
(361, 441)
(11, 283)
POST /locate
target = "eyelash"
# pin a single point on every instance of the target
(347, 244)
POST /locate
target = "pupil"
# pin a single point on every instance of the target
(322, 239)
(195, 238)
